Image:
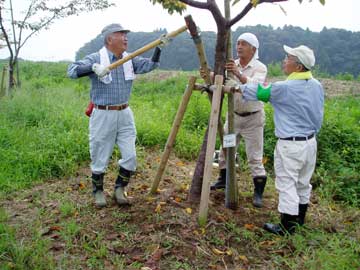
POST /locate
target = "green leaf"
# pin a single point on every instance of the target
(235, 2)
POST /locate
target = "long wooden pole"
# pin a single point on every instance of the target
(174, 130)
(231, 191)
(214, 117)
(147, 47)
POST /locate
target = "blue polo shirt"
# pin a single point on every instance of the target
(298, 106)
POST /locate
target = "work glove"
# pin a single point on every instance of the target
(100, 70)
(164, 40)
(231, 82)
(156, 55)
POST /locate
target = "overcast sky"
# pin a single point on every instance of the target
(65, 37)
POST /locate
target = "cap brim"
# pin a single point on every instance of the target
(288, 50)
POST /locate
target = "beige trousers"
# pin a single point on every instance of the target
(294, 163)
(251, 129)
(107, 128)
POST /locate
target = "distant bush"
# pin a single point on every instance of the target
(344, 77)
(274, 69)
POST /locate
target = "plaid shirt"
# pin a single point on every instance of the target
(118, 91)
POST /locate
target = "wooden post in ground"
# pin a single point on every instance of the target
(231, 191)
(3, 75)
(214, 116)
(174, 130)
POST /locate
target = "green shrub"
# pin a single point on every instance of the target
(274, 69)
(345, 77)
(339, 151)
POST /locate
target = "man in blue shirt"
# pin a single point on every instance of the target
(298, 113)
(112, 120)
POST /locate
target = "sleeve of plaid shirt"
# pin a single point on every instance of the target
(88, 60)
(143, 65)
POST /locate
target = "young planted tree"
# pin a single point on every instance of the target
(19, 24)
(224, 25)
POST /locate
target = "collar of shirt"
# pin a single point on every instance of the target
(249, 65)
(300, 76)
(112, 56)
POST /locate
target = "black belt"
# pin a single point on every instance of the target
(298, 138)
(112, 107)
(245, 113)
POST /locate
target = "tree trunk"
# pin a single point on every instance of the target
(18, 74)
(220, 58)
(11, 75)
(197, 180)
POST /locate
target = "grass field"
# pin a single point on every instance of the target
(48, 220)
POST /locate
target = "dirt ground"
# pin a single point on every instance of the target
(160, 231)
(155, 232)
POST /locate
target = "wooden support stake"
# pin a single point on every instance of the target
(231, 191)
(174, 130)
(2, 88)
(210, 148)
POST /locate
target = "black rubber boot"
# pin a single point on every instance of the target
(221, 181)
(121, 182)
(98, 189)
(287, 225)
(302, 213)
(259, 186)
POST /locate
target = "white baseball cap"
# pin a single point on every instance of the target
(303, 53)
(252, 40)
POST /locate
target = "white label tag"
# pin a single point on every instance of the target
(229, 140)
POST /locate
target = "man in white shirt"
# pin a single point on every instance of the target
(249, 119)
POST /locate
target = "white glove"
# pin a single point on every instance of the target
(100, 70)
(231, 83)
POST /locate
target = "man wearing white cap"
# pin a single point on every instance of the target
(298, 106)
(112, 120)
(249, 118)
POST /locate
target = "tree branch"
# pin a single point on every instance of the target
(26, 17)
(214, 9)
(196, 4)
(247, 8)
(6, 37)
(37, 30)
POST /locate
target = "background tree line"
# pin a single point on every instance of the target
(337, 50)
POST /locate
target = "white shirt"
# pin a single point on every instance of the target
(255, 72)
